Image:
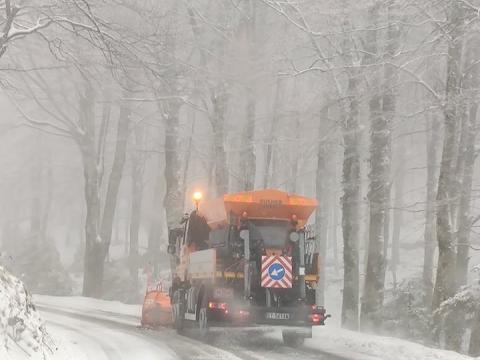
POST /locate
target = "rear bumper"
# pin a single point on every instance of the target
(296, 318)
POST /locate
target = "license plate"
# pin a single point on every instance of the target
(277, 316)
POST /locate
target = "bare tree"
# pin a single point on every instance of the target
(445, 279)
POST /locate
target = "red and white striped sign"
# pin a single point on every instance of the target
(277, 272)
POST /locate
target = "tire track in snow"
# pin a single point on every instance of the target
(227, 344)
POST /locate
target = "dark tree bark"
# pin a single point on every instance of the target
(445, 279)
(350, 208)
(98, 229)
(271, 142)
(219, 100)
(138, 166)
(433, 139)
(173, 201)
(378, 194)
(157, 218)
(474, 345)
(322, 213)
(94, 250)
(219, 95)
(399, 183)
(470, 85)
(116, 175)
(247, 154)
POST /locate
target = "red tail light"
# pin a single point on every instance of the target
(316, 318)
(215, 305)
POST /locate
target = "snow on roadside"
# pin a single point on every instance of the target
(102, 309)
(364, 346)
(23, 334)
(330, 339)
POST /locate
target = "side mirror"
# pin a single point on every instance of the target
(171, 249)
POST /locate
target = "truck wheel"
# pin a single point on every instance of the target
(177, 319)
(203, 318)
(177, 311)
(292, 339)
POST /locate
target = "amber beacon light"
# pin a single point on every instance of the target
(197, 196)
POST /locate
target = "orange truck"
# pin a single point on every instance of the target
(247, 259)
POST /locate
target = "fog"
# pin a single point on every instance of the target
(113, 113)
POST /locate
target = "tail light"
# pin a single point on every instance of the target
(219, 306)
(316, 318)
(318, 315)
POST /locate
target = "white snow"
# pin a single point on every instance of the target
(359, 346)
(97, 342)
(330, 339)
(100, 309)
(23, 334)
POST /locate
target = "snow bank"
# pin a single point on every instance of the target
(23, 334)
(102, 309)
(361, 346)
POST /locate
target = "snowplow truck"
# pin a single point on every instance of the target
(246, 259)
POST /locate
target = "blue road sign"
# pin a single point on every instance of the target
(276, 271)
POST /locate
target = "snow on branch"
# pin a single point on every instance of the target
(41, 24)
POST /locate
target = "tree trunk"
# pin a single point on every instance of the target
(399, 183)
(157, 220)
(386, 229)
(474, 346)
(382, 112)
(378, 196)
(98, 233)
(174, 198)
(334, 214)
(445, 280)
(292, 156)
(433, 138)
(138, 166)
(464, 222)
(247, 154)
(350, 208)
(93, 259)
(116, 175)
(219, 101)
(272, 133)
(464, 217)
(321, 214)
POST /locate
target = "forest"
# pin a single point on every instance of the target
(113, 112)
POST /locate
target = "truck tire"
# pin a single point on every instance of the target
(203, 318)
(292, 339)
(178, 312)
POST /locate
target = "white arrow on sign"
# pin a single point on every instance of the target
(276, 272)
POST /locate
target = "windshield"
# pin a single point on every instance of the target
(272, 233)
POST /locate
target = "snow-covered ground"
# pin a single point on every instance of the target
(330, 339)
(23, 334)
(359, 346)
(101, 309)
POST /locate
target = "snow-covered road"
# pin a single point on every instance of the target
(107, 335)
(99, 342)
(104, 330)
